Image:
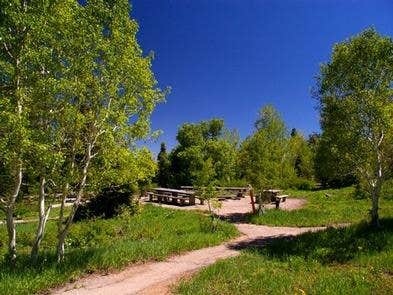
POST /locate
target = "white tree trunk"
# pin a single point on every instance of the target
(43, 215)
(376, 190)
(261, 206)
(375, 206)
(63, 230)
(9, 212)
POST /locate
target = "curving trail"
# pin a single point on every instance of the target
(156, 277)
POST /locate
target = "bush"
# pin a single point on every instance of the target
(360, 193)
(234, 182)
(387, 189)
(108, 203)
(303, 184)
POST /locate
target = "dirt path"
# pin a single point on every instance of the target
(237, 206)
(156, 277)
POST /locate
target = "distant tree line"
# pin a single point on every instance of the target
(355, 95)
(270, 157)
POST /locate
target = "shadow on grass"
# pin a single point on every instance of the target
(236, 217)
(333, 245)
(74, 260)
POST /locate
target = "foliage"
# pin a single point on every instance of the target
(302, 156)
(18, 81)
(303, 184)
(207, 191)
(199, 142)
(323, 208)
(109, 203)
(164, 174)
(264, 157)
(107, 244)
(330, 168)
(350, 260)
(355, 95)
(76, 95)
(123, 166)
(387, 190)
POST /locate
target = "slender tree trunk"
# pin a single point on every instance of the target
(63, 231)
(261, 206)
(11, 229)
(375, 207)
(60, 245)
(62, 206)
(61, 237)
(43, 215)
(376, 190)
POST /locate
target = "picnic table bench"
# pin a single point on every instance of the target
(279, 199)
(275, 197)
(239, 191)
(270, 195)
(173, 196)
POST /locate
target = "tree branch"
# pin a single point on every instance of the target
(94, 155)
(380, 139)
(367, 176)
(3, 205)
(7, 50)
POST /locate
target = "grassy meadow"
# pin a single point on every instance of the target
(323, 208)
(353, 260)
(103, 245)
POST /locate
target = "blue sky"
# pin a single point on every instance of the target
(228, 58)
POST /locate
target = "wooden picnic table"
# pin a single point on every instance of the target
(240, 191)
(174, 191)
(273, 191)
(173, 196)
(275, 197)
(272, 195)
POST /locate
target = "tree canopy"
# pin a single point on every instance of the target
(264, 156)
(76, 94)
(199, 142)
(355, 96)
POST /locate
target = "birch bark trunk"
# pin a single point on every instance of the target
(10, 221)
(65, 229)
(43, 215)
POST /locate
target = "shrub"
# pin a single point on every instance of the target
(108, 203)
(302, 184)
(360, 193)
(234, 182)
(387, 189)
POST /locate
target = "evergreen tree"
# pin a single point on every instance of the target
(164, 167)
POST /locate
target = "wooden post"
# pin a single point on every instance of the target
(277, 202)
(252, 200)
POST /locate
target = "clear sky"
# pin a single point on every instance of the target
(228, 58)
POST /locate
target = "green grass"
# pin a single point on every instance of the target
(340, 207)
(102, 245)
(27, 209)
(354, 260)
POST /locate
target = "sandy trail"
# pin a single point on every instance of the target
(156, 277)
(236, 206)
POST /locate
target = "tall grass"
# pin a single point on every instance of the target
(102, 245)
(354, 260)
(324, 207)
